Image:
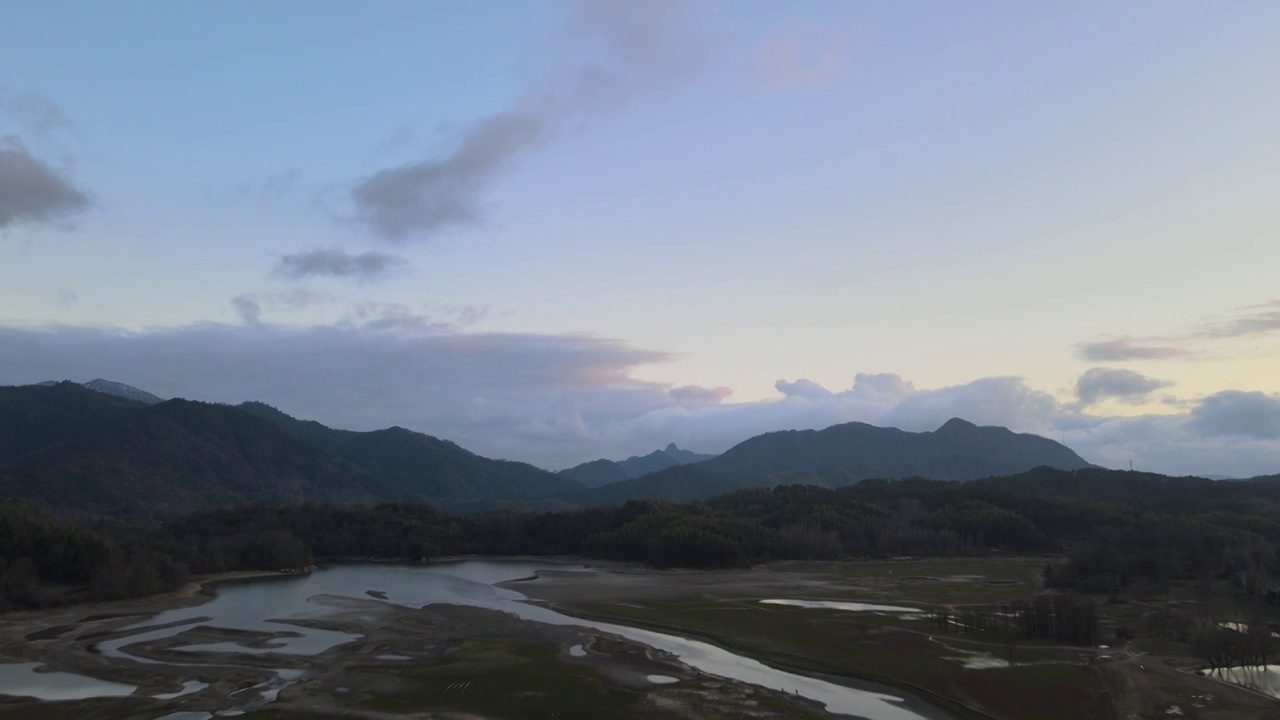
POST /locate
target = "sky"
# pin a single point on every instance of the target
(557, 231)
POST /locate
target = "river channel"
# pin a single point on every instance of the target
(274, 605)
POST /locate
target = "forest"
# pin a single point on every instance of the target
(1101, 532)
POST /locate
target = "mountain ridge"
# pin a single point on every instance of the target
(845, 454)
(601, 472)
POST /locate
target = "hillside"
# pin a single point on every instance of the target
(846, 454)
(179, 456)
(959, 450)
(422, 465)
(33, 417)
(603, 472)
(75, 449)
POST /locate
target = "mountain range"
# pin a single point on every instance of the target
(108, 448)
(843, 455)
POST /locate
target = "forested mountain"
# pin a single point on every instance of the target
(179, 456)
(128, 392)
(37, 416)
(959, 450)
(843, 455)
(73, 449)
(422, 465)
(120, 390)
(602, 472)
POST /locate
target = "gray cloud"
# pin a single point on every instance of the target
(248, 308)
(1098, 384)
(543, 398)
(1258, 320)
(1249, 321)
(802, 387)
(32, 192)
(1238, 413)
(1130, 349)
(372, 315)
(34, 112)
(697, 396)
(1005, 401)
(424, 198)
(624, 50)
(337, 263)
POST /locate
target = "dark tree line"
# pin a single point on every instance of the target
(1132, 531)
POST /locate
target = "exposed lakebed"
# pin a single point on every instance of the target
(293, 618)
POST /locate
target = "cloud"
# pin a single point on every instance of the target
(1259, 320)
(1238, 413)
(805, 54)
(802, 388)
(1007, 401)
(544, 398)
(33, 111)
(698, 396)
(1098, 384)
(558, 400)
(425, 198)
(616, 51)
(32, 192)
(337, 263)
(1249, 321)
(1130, 349)
(248, 308)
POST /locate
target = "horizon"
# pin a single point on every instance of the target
(581, 230)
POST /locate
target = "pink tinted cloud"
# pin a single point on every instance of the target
(804, 54)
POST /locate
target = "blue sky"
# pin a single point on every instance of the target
(554, 231)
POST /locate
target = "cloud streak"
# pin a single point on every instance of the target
(619, 52)
(35, 112)
(337, 263)
(1249, 322)
(33, 192)
(1131, 349)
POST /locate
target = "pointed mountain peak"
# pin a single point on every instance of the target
(671, 448)
(128, 392)
(956, 424)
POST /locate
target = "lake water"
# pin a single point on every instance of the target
(22, 679)
(272, 605)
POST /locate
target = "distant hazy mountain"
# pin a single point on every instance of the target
(120, 390)
(846, 454)
(602, 472)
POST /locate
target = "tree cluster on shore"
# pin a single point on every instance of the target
(1115, 530)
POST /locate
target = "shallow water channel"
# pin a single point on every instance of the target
(271, 604)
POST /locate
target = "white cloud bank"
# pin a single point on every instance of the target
(556, 400)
